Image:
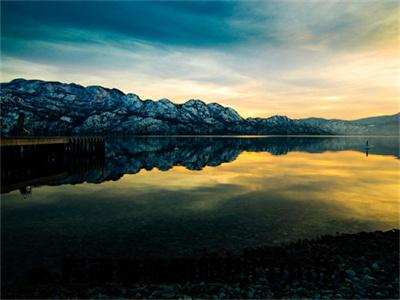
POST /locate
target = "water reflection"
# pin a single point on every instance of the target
(52, 166)
(319, 186)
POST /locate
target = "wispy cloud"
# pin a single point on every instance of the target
(261, 57)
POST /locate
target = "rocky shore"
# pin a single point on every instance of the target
(362, 265)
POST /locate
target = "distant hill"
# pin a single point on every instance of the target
(381, 125)
(54, 108)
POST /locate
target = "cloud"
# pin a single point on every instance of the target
(195, 24)
(335, 25)
(262, 58)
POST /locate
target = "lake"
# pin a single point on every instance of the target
(178, 197)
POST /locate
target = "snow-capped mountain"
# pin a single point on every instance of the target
(54, 108)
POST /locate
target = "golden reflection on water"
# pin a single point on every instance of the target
(257, 199)
(351, 184)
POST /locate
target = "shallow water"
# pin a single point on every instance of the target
(169, 197)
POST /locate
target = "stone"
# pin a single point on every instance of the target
(350, 273)
(250, 294)
(375, 266)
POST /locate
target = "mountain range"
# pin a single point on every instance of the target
(54, 108)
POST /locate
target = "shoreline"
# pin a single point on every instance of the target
(361, 265)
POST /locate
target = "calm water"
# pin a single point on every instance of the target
(178, 196)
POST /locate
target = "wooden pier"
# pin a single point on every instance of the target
(27, 161)
(31, 141)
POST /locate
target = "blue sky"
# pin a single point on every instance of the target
(328, 59)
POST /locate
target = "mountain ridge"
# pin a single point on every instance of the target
(51, 107)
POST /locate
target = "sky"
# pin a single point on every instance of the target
(300, 59)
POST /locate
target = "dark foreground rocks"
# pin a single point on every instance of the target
(362, 265)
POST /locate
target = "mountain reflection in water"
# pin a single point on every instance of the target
(130, 155)
(249, 192)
